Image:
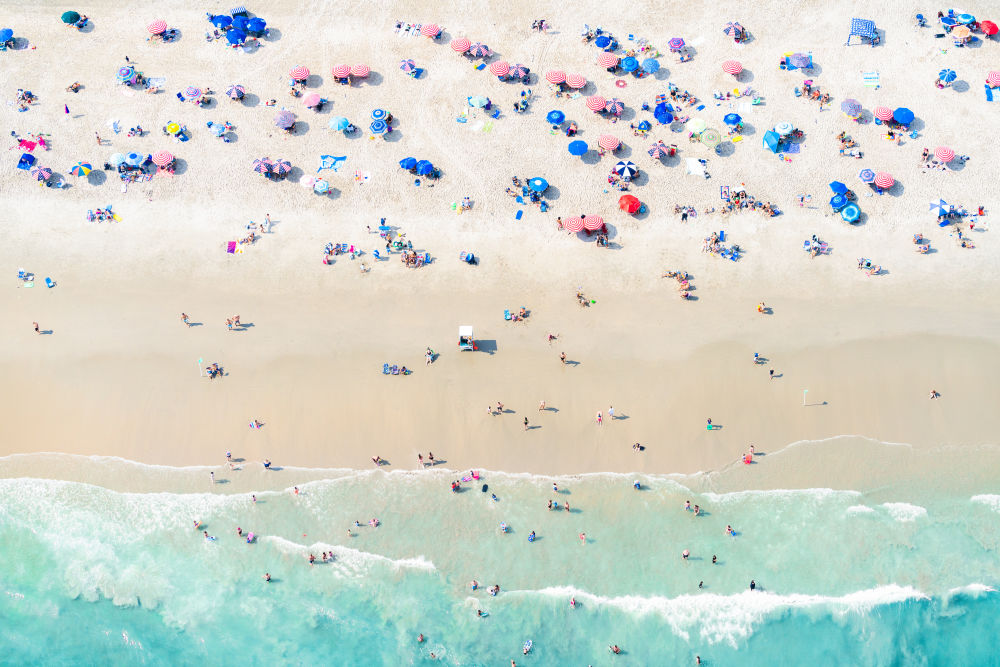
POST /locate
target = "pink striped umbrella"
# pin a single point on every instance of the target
(944, 154)
(430, 30)
(608, 142)
(157, 27)
(360, 70)
(593, 222)
(341, 71)
(596, 103)
(460, 44)
(573, 224)
(555, 76)
(993, 78)
(732, 67)
(499, 68)
(576, 80)
(162, 158)
(607, 60)
(480, 50)
(311, 100)
(300, 73)
(883, 113)
(884, 180)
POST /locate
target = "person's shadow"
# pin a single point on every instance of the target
(46, 332)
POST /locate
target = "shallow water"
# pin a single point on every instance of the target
(895, 575)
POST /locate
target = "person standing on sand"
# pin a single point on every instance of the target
(99, 143)
(185, 319)
(37, 331)
(489, 410)
(562, 357)
(770, 372)
(212, 476)
(541, 405)
(525, 423)
(611, 412)
(600, 419)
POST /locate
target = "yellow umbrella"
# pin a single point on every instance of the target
(961, 32)
(697, 125)
(173, 128)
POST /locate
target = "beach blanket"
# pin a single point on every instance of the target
(794, 148)
(330, 162)
(231, 247)
(870, 79)
(28, 145)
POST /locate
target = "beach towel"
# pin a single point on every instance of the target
(330, 162)
(794, 148)
(488, 126)
(28, 145)
(481, 66)
(870, 79)
(231, 247)
(519, 214)
(157, 81)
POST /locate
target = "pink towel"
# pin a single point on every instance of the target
(231, 247)
(28, 145)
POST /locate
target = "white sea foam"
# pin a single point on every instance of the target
(860, 509)
(904, 512)
(990, 500)
(353, 561)
(795, 495)
(974, 591)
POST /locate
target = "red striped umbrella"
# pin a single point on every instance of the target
(607, 60)
(944, 154)
(360, 70)
(162, 158)
(341, 71)
(157, 27)
(593, 222)
(300, 73)
(500, 68)
(732, 67)
(883, 113)
(555, 76)
(596, 103)
(993, 78)
(573, 224)
(430, 30)
(608, 142)
(576, 80)
(460, 44)
(884, 180)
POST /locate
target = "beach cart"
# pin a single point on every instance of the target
(466, 341)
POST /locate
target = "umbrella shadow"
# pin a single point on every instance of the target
(954, 165)
(55, 178)
(662, 74)
(250, 100)
(294, 174)
(628, 113)
(746, 76)
(374, 79)
(393, 136)
(960, 86)
(624, 152)
(748, 130)
(642, 213)
(552, 193)
(917, 125)
(896, 190)
(640, 179)
(314, 81)
(97, 177)
(180, 166)
(591, 157)
(89, 27)
(272, 35)
(725, 149)
(301, 127)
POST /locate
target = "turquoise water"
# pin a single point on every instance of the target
(92, 575)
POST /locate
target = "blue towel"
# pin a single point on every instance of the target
(989, 94)
(519, 213)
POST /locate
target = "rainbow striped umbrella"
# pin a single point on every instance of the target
(126, 74)
(81, 169)
(676, 44)
(191, 93)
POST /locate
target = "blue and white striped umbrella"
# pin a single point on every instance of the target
(940, 207)
(947, 75)
(378, 127)
(626, 169)
(378, 114)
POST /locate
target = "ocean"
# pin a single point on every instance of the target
(92, 574)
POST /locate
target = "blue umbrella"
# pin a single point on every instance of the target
(602, 41)
(236, 36)
(866, 176)
(850, 213)
(241, 22)
(946, 75)
(378, 114)
(538, 184)
(838, 187)
(645, 126)
(577, 147)
(217, 129)
(650, 65)
(555, 117)
(221, 21)
(903, 116)
(949, 21)
(256, 24)
(732, 119)
(838, 202)
(424, 167)
(339, 123)
(116, 159)
(5, 35)
(940, 205)
(663, 118)
(408, 162)
(629, 64)
(378, 127)
(772, 141)
(133, 159)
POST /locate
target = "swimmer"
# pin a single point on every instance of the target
(494, 497)
(312, 559)
(685, 554)
(753, 585)
(267, 577)
(295, 490)
(531, 536)
(550, 504)
(253, 497)
(197, 524)
(635, 485)
(474, 584)
(479, 612)
(697, 510)
(614, 649)
(730, 531)
(239, 531)
(583, 538)
(207, 536)
(714, 558)
(572, 602)
(687, 505)
(503, 526)
(566, 506)
(420, 639)
(555, 489)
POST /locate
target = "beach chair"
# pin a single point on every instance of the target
(506, 314)
(385, 369)
(427, 258)
(467, 257)
(238, 11)
(722, 236)
(49, 282)
(395, 369)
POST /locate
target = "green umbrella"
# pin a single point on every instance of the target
(70, 17)
(710, 137)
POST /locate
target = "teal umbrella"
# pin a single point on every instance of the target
(339, 123)
(478, 101)
(70, 17)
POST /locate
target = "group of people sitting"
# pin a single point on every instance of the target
(813, 94)
(214, 371)
(24, 98)
(683, 282)
(100, 214)
(412, 259)
(741, 200)
(848, 147)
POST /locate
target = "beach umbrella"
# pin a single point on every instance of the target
(424, 167)
(772, 141)
(838, 187)
(191, 93)
(947, 75)
(116, 159)
(281, 166)
(157, 27)
(697, 125)
(134, 159)
(379, 114)
(299, 73)
(162, 158)
(961, 32)
(663, 118)
(941, 206)
(555, 76)
(480, 50)
(784, 127)
(6, 35)
(538, 184)
(645, 125)
(629, 64)
(406, 65)
(555, 117)
(519, 71)
(235, 36)
(988, 28)
(256, 24)
(216, 128)
(70, 17)
(629, 204)
(430, 30)
(993, 78)
(284, 119)
(126, 73)
(262, 166)
(732, 29)
(732, 67)
(478, 101)
(81, 168)
(408, 163)
(608, 142)
(321, 187)
(596, 103)
(883, 113)
(378, 127)
(732, 119)
(615, 106)
(360, 70)
(311, 100)
(944, 154)
(577, 147)
(173, 128)
(966, 18)
(602, 42)
(241, 23)
(838, 201)
(711, 137)
(850, 213)
(460, 44)
(593, 222)
(626, 169)
(341, 71)
(884, 180)
(40, 173)
(903, 116)
(658, 150)
(866, 176)
(500, 68)
(650, 65)
(222, 21)
(338, 123)
(236, 91)
(573, 224)
(676, 44)
(800, 59)
(851, 107)
(576, 81)
(607, 60)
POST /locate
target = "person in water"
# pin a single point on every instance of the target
(531, 536)
(753, 585)
(267, 577)
(420, 639)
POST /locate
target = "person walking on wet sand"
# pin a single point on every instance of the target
(600, 419)
(525, 423)
(185, 319)
(562, 357)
